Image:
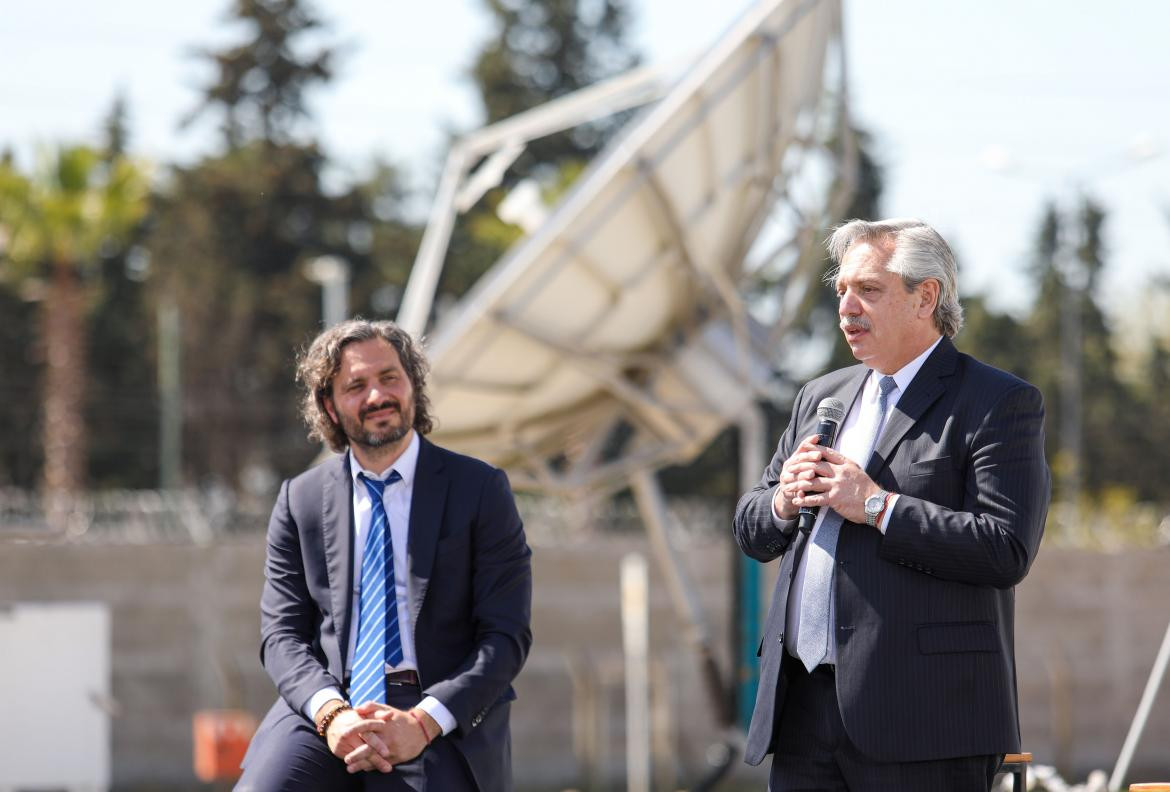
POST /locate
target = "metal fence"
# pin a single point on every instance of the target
(203, 517)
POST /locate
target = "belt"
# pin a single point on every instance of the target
(401, 678)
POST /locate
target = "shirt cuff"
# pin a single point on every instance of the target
(776, 518)
(889, 512)
(433, 707)
(318, 700)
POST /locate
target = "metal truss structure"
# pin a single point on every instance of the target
(616, 338)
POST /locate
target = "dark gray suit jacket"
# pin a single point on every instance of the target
(470, 596)
(925, 624)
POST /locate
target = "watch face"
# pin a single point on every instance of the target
(873, 504)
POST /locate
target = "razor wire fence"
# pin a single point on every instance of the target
(202, 517)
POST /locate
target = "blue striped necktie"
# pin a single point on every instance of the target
(379, 641)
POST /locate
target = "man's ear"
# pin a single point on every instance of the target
(928, 293)
(328, 401)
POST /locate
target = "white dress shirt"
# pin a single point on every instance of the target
(853, 441)
(397, 499)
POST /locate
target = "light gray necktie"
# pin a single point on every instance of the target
(812, 639)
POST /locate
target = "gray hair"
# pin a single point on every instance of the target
(920, 253)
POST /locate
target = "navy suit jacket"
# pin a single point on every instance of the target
(470, 596)
(925, 612)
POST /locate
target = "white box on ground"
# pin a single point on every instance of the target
(55, 685)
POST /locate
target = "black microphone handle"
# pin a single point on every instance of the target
(806, 520)
(827, 432)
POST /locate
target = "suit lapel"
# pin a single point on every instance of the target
(337, 533)
(426, 517)
(923, 391)
(850, 390)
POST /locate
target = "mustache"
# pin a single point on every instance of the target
(389, 404)
(860, 322)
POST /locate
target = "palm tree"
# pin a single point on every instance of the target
(77, 205)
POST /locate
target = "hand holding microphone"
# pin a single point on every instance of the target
(831, 413)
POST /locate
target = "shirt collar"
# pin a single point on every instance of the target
(405, 464)
(905, 375)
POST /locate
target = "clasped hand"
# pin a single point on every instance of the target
(375, 737)
(816, 475)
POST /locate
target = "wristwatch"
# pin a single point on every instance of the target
(874, 506)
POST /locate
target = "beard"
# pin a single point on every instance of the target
(359, 435)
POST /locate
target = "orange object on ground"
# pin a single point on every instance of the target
(221, 738)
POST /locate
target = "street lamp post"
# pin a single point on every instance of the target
(1072, 376)
(332, 274)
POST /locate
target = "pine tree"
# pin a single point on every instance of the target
(544, 50)
(260, 84)
(233, 235)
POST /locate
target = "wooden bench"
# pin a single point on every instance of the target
(1017, 765)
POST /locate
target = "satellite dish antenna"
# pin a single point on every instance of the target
(614, 339)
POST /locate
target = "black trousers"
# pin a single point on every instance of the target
(295, 758)
(814, 754)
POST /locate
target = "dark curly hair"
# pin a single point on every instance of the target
(319, 363)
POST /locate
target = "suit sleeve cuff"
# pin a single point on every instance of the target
(433, 707)
(318, 700)
(889, 513)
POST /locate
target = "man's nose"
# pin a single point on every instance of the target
(848, 304)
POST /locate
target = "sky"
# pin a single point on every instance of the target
(980, 111)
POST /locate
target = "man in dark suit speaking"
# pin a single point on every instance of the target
(888, 658)
(398, 590)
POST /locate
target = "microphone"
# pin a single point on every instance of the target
(832, 413)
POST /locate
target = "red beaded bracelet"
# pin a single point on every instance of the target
(418, 720)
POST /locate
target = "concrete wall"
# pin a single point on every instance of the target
(1088, 628)
(185, 626)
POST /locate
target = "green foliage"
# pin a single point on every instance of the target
(226, 242)
(73, 204)
(117, 129)
(121, 410)
(78, 207)
(540, 51)
(21, 369)
(1122, 421)
(233, 233)
(996, 338)
(230, 243)
(1113, 517)
(260, 84)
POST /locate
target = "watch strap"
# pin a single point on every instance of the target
(872, 518)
